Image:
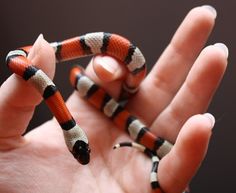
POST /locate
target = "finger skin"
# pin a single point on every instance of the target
(171, 69)
(111, 80)
(168, 73)
(18, 98)
(108, 69)
(193, 32)
(195, 94)
(183, 49)
(178, 167)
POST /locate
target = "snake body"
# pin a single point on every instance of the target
(124, 120)
(155, 160)
(91, 44)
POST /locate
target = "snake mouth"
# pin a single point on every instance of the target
(84, 159)
(81, 152)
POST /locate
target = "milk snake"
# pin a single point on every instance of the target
(75, 138)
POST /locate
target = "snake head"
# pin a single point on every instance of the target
(81, 152)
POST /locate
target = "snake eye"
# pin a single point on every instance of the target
(81, 152)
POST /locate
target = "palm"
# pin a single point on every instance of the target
(165, 103)
(46, 159)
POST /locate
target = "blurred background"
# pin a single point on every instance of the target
(150, 25)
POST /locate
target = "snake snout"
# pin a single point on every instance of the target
(81, 152)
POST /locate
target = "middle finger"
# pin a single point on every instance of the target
(170, 71)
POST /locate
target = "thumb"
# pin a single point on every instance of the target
(107, 72)
(18, 98)
(108, 68)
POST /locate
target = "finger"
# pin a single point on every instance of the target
(108, 73)
(18, 98)
(178, 167)
(108, 68)
(196, 92)
(105, 71)
(171, 69)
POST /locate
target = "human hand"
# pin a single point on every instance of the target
(40, 161)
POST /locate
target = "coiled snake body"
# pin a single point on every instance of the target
(90, 44)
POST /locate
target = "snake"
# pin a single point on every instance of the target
(155, 161)
(75, 137)
(154, 147)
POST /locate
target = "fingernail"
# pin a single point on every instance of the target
(211, 118)
(223, 47)
(39, 39)
(108, 64)
(36, 46)
(211, 9)
(41, 36)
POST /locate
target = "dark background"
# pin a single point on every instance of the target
(149, 24)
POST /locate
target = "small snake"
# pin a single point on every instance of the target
(155, 160)
(92, 44)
